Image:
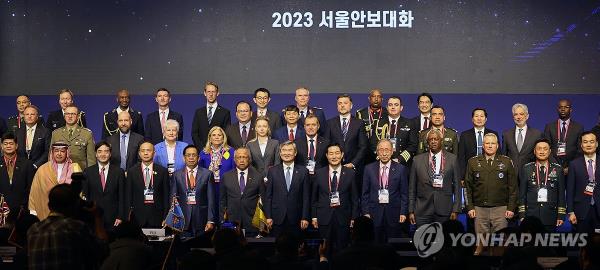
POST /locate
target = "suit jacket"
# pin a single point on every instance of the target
(201, 127)
(281, 204)
(509, 147)
(205, 209)
(112, 198)
(274, 119)
(240, 206)
(148, 215)
(135, 140)
(467, 147)
(234, 137)
(56, 120)
(110, 123)
(349, 196)
(355, 146)
(40, 144)
(424, 199)
(271, 157)
(398, 193)
(161, 157)
(17, 193)
(282, 134)
(153, 130)
(416, 122)
(572, 140)
(320, 150)
(577, 180)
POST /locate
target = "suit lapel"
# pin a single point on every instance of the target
(428, 166)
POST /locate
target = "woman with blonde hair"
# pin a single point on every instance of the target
(264, 150)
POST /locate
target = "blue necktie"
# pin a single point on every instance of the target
(124, 152)
(345, 128)
(479, 143)
(334, 182)
(242, 183)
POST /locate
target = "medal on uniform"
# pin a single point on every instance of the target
(501, 166)
(501, 175)
(384, 196)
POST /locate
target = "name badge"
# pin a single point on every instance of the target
(311, 166)
(191, 197)
(384, 196)
(216, 176)
(171, 168)
(542, 195)
(393, 141)
(561, 149)
(334, 199)
(148, 196)
(589, 189)
(438, 180)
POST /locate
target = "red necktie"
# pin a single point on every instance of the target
(291, 135)
(102, 178)
(426, 123)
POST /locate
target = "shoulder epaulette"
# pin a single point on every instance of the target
(453, 129)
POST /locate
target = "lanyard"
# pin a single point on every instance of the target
(151, 172)
(558, 130)
(442, 166)
(537, 168)
(337, 183)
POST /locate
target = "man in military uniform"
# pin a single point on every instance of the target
(302, 98)
(371, 116)
(398, 130)
(450, 135)
(492, 189)
(80, 140)
(110, 122)
(56, 119)
(542, 191)
(17, 121)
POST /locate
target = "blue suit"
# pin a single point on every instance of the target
(578, 202)
(161, 157)
(282, 134)
(385, 216)
(205, 209)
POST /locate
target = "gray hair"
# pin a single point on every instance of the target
(522, 106)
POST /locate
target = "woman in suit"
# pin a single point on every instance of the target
(264, 150)
(169, 153)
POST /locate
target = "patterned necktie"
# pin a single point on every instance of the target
(210, 114)
(311, 150)
(433, 164)
(288, 177)
(244, 134)
(563, 131)
(344, 128)
(479, 142)
(123, 150)
(520, 140)
(590, 170)
(103, 177)
(334, 182)
(242, 182)
(291, 137)
(192, 180)
(147, 178)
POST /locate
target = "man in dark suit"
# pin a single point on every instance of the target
(564, 135)
(302, 98)
(385, 193)
(262, 97)
(287, 197)
(33, 138)
(110, 122)
(209, 116)
(105, 185)
(125, 143)
(335, 199)
(155, 121)
(348, 132)
(424, 103)
(291, 129)
(312, 147)
(16, 175)
(470, 143)
(56, 119)
(434, 189)
(193, 188)
(371, 116)
(583, 193)
(147, 188)
(18, 120)
(518, 142)
(238, 134)
(239, 192)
